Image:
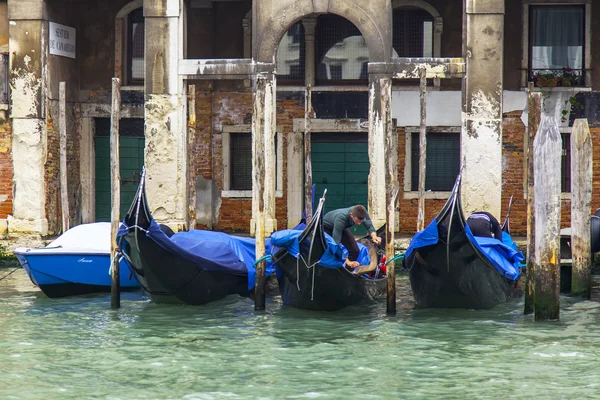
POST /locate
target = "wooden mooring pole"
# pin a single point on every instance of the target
(308, 206)
(191, 142)
(64, 188)
(534, 114)
(581, 200)
(422, 150)
(547, 152)
(263, 124)
(115, 187)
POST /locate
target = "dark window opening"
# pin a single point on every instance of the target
(443, 161)
(240, 156)
(4, 91)
(412, 32)
(556, 45)
(565, 163)
(135, 47)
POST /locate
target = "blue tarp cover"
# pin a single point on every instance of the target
(212, 251)
(334, 256)
(503, 255)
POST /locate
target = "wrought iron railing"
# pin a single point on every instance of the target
(563, 77)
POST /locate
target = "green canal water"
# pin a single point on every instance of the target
(78, 348)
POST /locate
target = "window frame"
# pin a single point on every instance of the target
(226, 152)
(408, 132)
(587, 44)
(128, 72)
(121, 46)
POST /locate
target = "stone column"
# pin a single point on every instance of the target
(165, 154)
(481, 136)
(263, 147)
(310, 24)
(380, 122)
(28, 43)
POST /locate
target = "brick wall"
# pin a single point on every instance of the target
(6, 170)
(215, 109)
(52, 170)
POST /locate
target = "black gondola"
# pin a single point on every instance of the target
(450, 268)
(194, 267)
(305, 283)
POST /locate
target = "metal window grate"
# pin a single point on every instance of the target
(240, 152)
(4, 87)
(291, 54)
(443, 161)
(412, 32)
(565, 163)
(341, 50)
(135, 48)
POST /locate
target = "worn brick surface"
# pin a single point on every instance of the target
(6, 170)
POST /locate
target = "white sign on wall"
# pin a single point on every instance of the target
(62, 40)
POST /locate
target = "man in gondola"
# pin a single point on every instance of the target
(484, 224)
(337, 223)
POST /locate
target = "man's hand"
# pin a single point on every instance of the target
(352, 264)
(376, 239)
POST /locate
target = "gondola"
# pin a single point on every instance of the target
(448, 267)
(194, 267)
(311, 273)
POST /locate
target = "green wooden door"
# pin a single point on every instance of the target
(340, 164)
(131, 149)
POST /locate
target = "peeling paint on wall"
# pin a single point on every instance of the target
(485, 112)
(163, 151)
(24, 90)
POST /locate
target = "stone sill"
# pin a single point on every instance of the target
(244, 194)
(574, 89)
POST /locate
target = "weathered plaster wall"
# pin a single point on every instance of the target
(3, 26)
(95, 24)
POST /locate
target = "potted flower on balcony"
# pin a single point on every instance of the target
(547, 79)
(568, 77)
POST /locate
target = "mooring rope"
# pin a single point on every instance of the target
(6, 276)
(312, 290)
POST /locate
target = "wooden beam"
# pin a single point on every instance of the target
(581, 201)
(422, 151)
(115, 187)
(307, 154)
(547, 151)
(243, 68)
(409, 68)
(64, 188)
(534, 114)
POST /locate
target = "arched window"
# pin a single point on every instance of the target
(341, 52)
(129, 44)
(413, 31)
(291, 55)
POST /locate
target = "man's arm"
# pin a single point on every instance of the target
(338, 227)
(371, 229)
